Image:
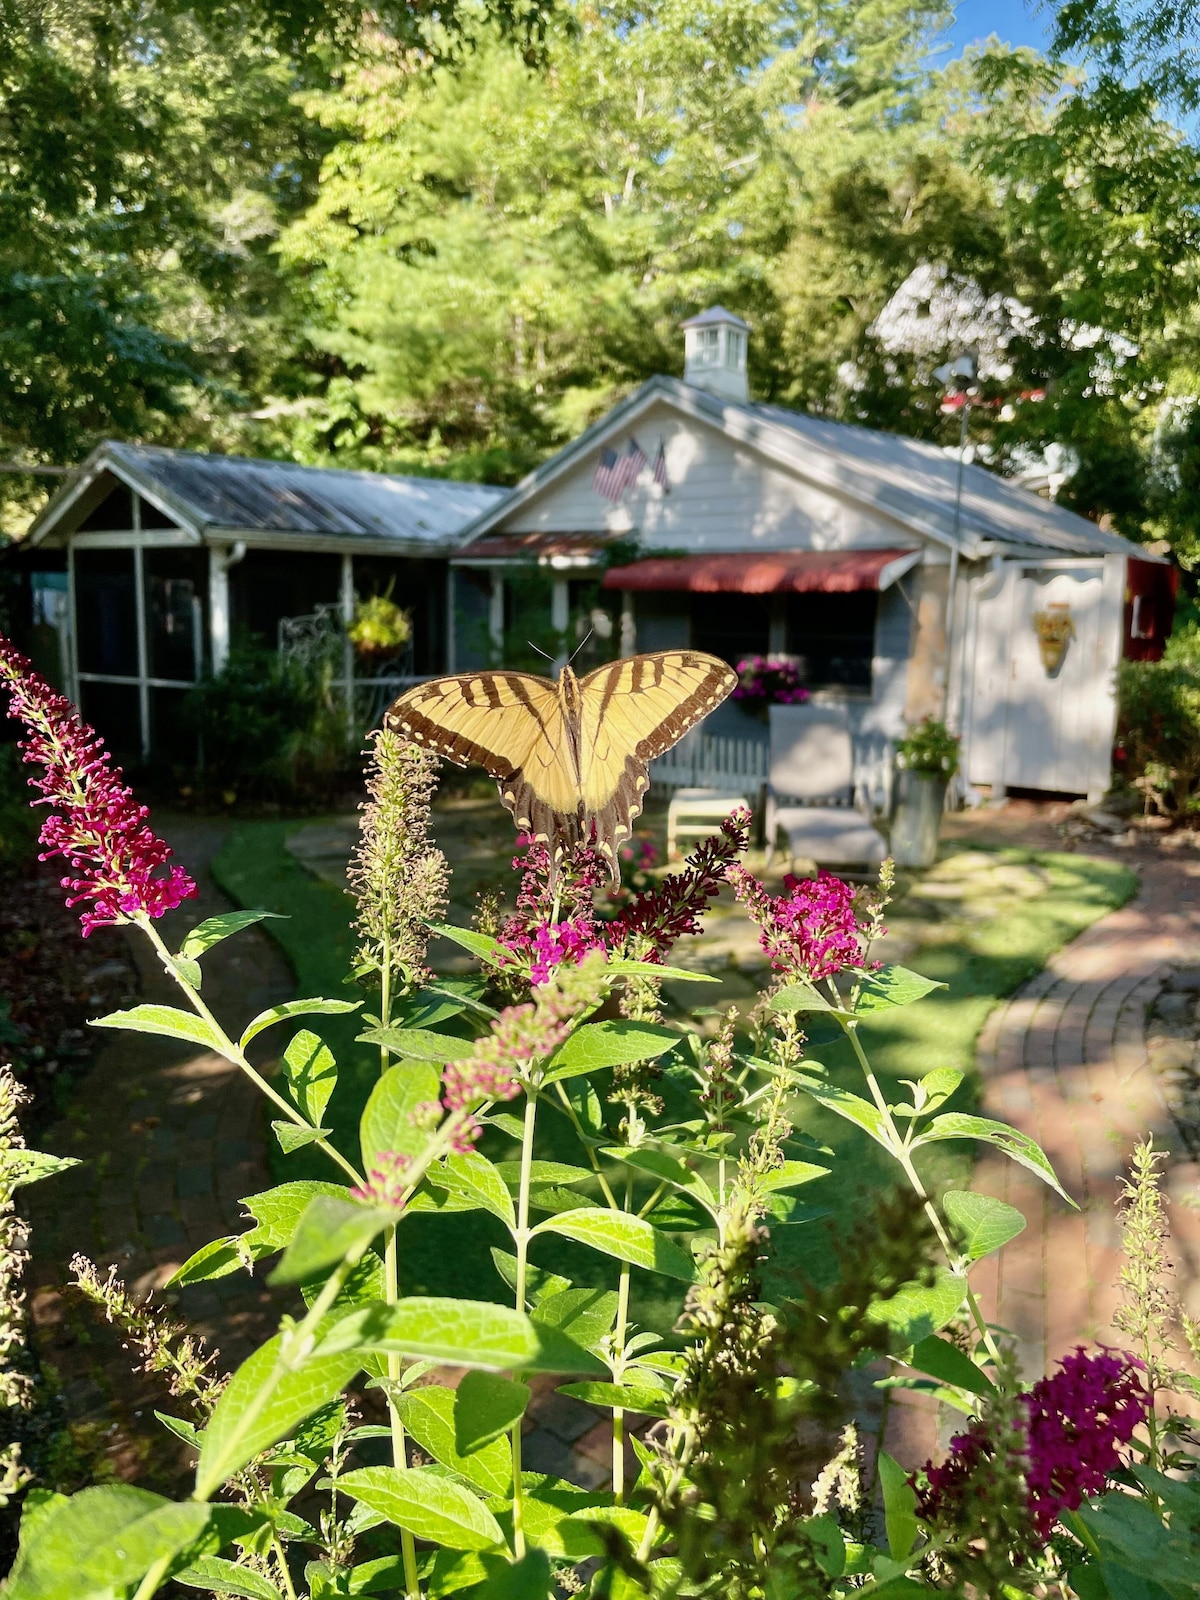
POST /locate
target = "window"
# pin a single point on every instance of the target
(106, 608)
(832, 638)
(731, 626)
(175, 590)
(737, 350)
(708, 346)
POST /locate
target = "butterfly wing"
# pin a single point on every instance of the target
(630, 712)
(509, 723)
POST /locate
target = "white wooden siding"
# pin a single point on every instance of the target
(723, 496)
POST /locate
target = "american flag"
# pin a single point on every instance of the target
(617, 473)
(607, 477)
(660, 469)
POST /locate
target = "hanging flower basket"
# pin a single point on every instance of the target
(380, 627)
(1055, 629)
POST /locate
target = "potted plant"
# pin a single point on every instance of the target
(927, 759)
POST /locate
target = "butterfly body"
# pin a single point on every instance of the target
(569, 757)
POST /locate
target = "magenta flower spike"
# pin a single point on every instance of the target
(96, 825)
(811, 931)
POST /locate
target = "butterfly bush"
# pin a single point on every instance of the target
(657, 917)
(1075, 1424)
(810, 931)
(96, 826)
(769, 680)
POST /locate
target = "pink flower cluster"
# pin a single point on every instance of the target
(386, 1182)
(769, 680)
(530, 935)
(660, 916)
(519, 1035)
(811, 931)
(556, 942)
(1076, 1421)
(96, 826)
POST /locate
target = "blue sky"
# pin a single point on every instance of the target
(1013, 21)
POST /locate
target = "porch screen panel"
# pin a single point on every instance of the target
(175, 623)
(832, 638)
(113, 710)
(172, 736)
(106, 612)
(418, 587)
(268, 585)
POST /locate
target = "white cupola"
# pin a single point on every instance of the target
(714, 353)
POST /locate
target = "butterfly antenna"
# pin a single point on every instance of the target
(539, 651)
(581, 643)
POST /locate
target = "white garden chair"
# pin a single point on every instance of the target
(811, 791)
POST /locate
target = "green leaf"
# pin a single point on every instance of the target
(227, 1577)
(983, 1224)
(216, 1259)
(213, 929)
(186, 1431)
(597, 1045)
(465, 1333)
(527, 1579)
(619, 1396)
(311, 1073)
(792, 1174)
(584, 1315)
(891, 987)
(899, 1507)
(20, 1167)
(661, 1165)
(475, 1177)
(538, 1282)
(428, 1413)
(804, 997)
(419, 1044)
(585, 1103)
(102, 1539)
(623, 968)
(388, 1121)
(829, 1544)
(479, 944)
(188, 970)
(485, 1408)
(292, 1136)
(1017, 1146)
(850, 1106)
(620, 1234)
(166, 1021)
(937, 1087)
(295, 1008)
(428, 1505)
(263, 1402)
(331, 1229)
(543, 1172)
(947, 1363)
(919, 1309)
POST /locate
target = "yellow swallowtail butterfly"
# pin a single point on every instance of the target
(568, 757)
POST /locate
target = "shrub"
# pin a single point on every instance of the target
(1159, 728)
(929, 747)
(267, 727)
(563, 1020)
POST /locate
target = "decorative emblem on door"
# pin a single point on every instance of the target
(1055, 629)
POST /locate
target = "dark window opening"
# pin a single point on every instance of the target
(418, 587)
(832, 638)
(663, 621)
(114, 514)
(175, 624)
(114, 710)
(267, 585)
(106, 611)
(732, 626)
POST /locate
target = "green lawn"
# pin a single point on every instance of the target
(981, 921)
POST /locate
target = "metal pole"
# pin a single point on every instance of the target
(951, 708)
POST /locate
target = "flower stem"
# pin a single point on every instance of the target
(896, 1146)
(234, 1053)
(522, 1243)
(391, 1294)
(618, 1416)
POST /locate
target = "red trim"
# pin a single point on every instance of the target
(776, 572)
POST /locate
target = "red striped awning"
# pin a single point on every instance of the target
(773, 572)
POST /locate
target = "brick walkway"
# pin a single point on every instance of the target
(170, 1137)
(1069, 1060)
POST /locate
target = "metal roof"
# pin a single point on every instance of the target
(906, 480)
(216, 494)
(713, 316)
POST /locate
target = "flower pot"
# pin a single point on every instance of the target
(920, 800)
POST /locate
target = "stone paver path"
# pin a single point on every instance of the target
(170, 1138)
(1069, 1060)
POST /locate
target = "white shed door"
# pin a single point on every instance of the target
(1058, 725)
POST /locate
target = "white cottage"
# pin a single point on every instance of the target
(894, 575)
